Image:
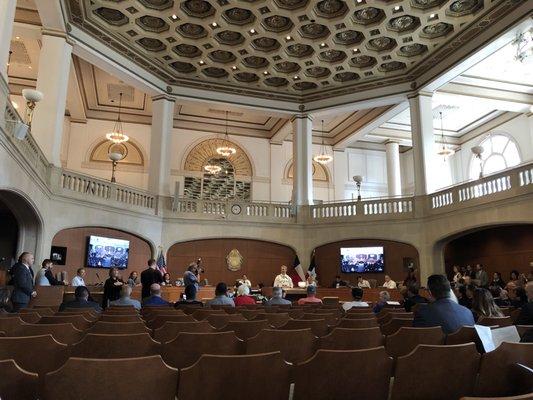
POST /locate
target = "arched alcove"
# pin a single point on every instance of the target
(320, 172)
(134, 155)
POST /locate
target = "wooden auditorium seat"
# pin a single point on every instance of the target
(389, 316)
(170, 330)
(89, 316)
(218, 321)
(38, 354)
(342, 374)
(274, 319)
(528, 396)
(496, 370)
(2, 334)
(258, 377)
(120, 318)
(495, 321)
(30, 318)
(360, 315)
(331, 319)
(358, 323)
(406, 339)
(186, 348)
(436, 373)
(296, 313)
(73, 311)
(16, 383)
(522, 329)
(188, 308)
(115, 346)
(78, 321)
(249, 314)
(109, 328)
(465, 334)
(159, 320)
(294, 345)
(352, 339)
(121, 310)
(63, 333)
(11, 325)
(245, 329)
(82, 378)
(319, 326)
(203, 313)
(41, 310)
(394, 324)
(360, 310)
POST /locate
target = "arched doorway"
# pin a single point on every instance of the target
(21, 229)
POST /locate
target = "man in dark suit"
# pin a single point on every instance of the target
(82, 300)
(150, 276)
(22, 281)
(444, 311)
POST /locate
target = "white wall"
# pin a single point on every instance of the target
(372, 166)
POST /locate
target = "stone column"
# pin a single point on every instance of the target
(394, 181)
(52, 81)
(423, 142)
(161, 145)
(302, 155)
(7, 18)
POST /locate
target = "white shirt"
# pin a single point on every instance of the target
(283, 281)
(41, 279)
(390, 284)
(77, 281)
(350, 304)
(363, 284)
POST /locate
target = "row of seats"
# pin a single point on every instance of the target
(429, 372)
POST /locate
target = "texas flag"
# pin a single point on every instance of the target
(312, 267)
(297, 274)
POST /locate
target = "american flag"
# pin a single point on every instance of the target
(161, 263)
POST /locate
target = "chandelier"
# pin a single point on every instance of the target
(445, 151)
(323, 158)
(226, 150)
(212, 169)
(117, 134)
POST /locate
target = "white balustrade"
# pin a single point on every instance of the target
(360, 209)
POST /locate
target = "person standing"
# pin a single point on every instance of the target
(482, 278)
(283, 280)
(150, 276)
(112, 287)
(22, 281)
(190, 277)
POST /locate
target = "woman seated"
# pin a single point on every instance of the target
(389, 283)
(497, 280)
(311, 281)
(166, 280)
(483, 305)
(133, 279)
(243, 296)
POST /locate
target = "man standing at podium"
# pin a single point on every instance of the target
(283, 280)
(150, 276)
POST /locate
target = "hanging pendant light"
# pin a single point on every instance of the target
(323, 158)
(212, 169)
(117, 134)
(226, 150)
(445, 151)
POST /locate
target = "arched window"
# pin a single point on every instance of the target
(499, 152)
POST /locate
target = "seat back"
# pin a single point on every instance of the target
(394, 324)
(63, 333)
(120, 318)
(360, 310)
(203, 313)
(406, 339)
(11, 325)
(245, 329)
(295, 345)
(352, 339)
(115, 346)
(495, 321)
(390, 315)
(218, 321)
(249, 314)
(358, 323)
(495, 373)
(41, 310)
(331, 318)
(319, 327)
(360, 315)
(78, 321)
(121, 310)
(274, 319)
(109, 328)
(16, 383)
(338, 381)
(436, 372)
(187, 348)
(82, 378)
(29, 317)
(38, 354)
(170, 330)
(465, 334)
(265, 375)
(159, 320)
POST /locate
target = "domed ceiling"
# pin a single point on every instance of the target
(285, 49)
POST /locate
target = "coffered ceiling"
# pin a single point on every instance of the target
(292, 50)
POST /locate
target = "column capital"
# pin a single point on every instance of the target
(59, 34)
(301, 116)
(419, 93)
(163, 97)
(392, 141)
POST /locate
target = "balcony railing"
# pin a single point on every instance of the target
(366, 209)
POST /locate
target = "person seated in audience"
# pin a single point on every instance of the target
(81, 295)
(384, 296)
(467, 281)
(482, 278)
(125, 299)
(221, 296)
(166, 280)
(389, 283)
(133, 279)
(155, 298)
(518, 297)
(444, 311)
(412, 297)
(189, 298)
(311, 281)
(338, 282)
(243, 296)
(470, 272)
(483, 305)
(311, 297)
(45, 276)
(5, 305)
(410, 278)
(277, 298)
(283, 280)
(245, 281)
(500, 296)
(514, 281)
(465, 295)
(357, 296)
(362, 283)
(497, 280)
(526, 311)
(457, 276)
(78, 279)
(112, 287)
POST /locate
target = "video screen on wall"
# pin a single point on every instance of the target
(104, 252)
(360, 260)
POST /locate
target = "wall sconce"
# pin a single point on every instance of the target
(358, 179)
(32, 97)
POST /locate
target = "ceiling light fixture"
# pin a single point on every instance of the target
(266, 72)
(252, 31)
(214, 24)
(323, 158)
(322, 44)
(445, 151)
(234, 68)
(117, 134)
(212, 169)
(226, 150)
(202, 62)
(432, 16)
(397, 8)
(174, 17)
(288, 38)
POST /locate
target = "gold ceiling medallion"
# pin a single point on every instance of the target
(234, 260)
(226, 150)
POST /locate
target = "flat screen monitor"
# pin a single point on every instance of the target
(360, 260)
(104, 252)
